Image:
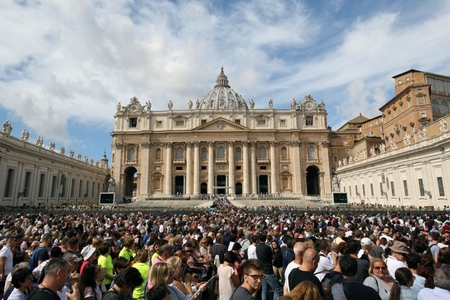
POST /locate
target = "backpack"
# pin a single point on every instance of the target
(335, 281)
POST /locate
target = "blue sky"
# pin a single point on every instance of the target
(64, 65)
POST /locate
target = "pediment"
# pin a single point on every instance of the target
(221, 124)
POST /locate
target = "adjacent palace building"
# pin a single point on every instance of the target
(223, 144)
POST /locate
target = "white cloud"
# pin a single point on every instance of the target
(72, 61)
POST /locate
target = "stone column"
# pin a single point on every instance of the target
(211, 167)
(196, 168)
(297, 174)
(168, 191)
(245, 170)
(231, 170)
(273, 168)
(253, 164)
(188, 178)
(326, 183)
(146, 168)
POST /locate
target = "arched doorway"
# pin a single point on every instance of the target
(204, 188)
(263, 182)
(238, 188)
(312, 181)
(221, 183)
(179, 185)
(130, 182)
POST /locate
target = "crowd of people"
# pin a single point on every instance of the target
(225, 253)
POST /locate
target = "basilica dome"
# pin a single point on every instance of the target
(222, 96)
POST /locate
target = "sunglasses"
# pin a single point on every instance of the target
(256, 277)
(379, 268)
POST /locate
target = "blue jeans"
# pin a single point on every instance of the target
(272, 280)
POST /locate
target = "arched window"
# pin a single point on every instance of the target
(262, 152)
(311, 153)
(204, 153)
(158, 154)
(131, 154)
(444, 107)
(180, 153)
(221, 152)
(284, 153)
(238, 154)
(435, 105)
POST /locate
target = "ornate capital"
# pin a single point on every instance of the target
(230, 143)
(295, 143)
(168, 145)
(146, 145)
(325, 144)
(273, 143)
(211, 143)
(120, 145)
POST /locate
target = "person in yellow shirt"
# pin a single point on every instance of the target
(105, 262)
(143, 266)
(127, 250)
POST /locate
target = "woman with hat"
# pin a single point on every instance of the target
(89, 254)
(397, 259)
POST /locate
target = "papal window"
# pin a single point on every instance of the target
(309, 121)
(180, 153)
(262, 152)
(311, 153)
(221, 152)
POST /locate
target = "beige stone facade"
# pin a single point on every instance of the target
(221, 144)
(37, 175)
(400, 157)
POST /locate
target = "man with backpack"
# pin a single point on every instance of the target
(40, 254)
(433, 247)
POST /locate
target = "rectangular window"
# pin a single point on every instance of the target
(204, 168)
(26, 186)
(392, 189)
(179, 123)
(381, 189)
(203, 122)
(309, 121)
(80, 186)
(9, 183)
(364, 190)
(54, 182)
(261, 122)
(237, 121)
(179, 168)
(405, 188)
(133, 122)
(440, 187)
(158, 124)
(41, 186)
(238, 167)
(72, 189)
(356, 190)
(371, 190)
(421, 187)
(283, 123)
(263, 167)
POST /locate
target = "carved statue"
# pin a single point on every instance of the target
(62, 150)
(71, 153)
(197, 104)
(252, 103)
(119, 107)
(270, 104)
(221, 102)
(111, 185)
(190, 104)
(7, 128)
(79, 156)
(382, 148)
(393, 144)
(230, 103)
(210, 103)
(27, 136)
(91, 161)
(170, 104)
(86, 158)
(340, 163)
(344, 161)
(293, 103)
(407, 139)
(443, 125)
(39, 141)
(149, 105)
(321, 106)
(52, 146)
(336, 184)
(363, 154)
(308, 97)
(372, 151)
(22, 135)
(350, 159)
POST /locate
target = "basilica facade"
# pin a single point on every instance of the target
(221, 144)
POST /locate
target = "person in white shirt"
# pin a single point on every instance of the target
(299, 249)
(442, 286)
(397, 258)
(251, 251)
(325, 263)
(6, 259)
